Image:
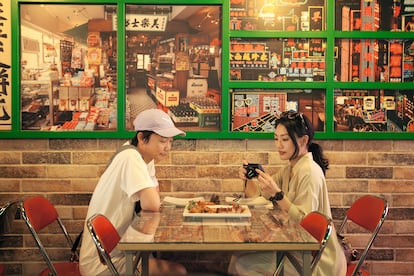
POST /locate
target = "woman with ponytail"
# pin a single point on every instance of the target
(298, 189)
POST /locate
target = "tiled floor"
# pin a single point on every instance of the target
(138, 100)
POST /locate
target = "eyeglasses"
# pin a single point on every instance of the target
(293, 115)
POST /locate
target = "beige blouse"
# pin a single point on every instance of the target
(305, 187)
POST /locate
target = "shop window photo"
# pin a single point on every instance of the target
(68, 68)
(255, 110)
(374, 60)
(373, 15)
(374, 111)
(277, 15)
(182, 75)
(277, 59)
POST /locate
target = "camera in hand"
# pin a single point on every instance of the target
(251, 170)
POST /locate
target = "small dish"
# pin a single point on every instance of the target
(181, 201)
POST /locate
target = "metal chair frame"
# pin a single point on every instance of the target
(6, 206)
(39, 213)
(320, 227)
(105, 238)
(369, 212)
(7, 215)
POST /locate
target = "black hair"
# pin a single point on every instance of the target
(146, 134)
(297, 124)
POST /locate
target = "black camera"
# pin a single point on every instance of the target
(251, 170)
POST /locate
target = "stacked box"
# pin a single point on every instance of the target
(168, 96)
(196, 88)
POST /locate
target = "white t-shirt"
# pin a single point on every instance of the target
(115, 196)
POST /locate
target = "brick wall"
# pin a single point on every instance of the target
(66, 171)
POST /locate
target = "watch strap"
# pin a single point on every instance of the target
(278, 196)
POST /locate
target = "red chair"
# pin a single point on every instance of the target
(369, 212)
(106, 238)
(320, 227)
(38, 213)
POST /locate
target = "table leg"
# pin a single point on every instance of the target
(307, 260)
(129, 260)
(145, 263)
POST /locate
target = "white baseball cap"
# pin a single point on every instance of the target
(158, 121)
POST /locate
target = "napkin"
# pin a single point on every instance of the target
(250, 201)
(181, 201)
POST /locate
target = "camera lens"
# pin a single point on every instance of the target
(250, 171)
(250, 174)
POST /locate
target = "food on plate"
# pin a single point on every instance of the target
(210, 207)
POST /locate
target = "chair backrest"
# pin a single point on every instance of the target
(320, 227)
(38, 213)
(368, 212)
(105, 237)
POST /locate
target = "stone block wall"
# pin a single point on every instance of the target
(67, 170)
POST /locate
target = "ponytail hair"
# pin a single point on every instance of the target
(318, 156)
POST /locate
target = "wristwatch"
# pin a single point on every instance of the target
(278, 196)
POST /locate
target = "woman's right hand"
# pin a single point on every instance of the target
(267, 183)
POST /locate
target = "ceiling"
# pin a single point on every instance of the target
(64, 18)
(59, 18)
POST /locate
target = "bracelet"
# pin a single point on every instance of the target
(278, 196)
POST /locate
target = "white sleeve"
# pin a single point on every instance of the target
(134, 174)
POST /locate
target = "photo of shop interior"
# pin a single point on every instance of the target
(178, 71)
(374, 110)
(257, 110)
(69, 69)
(276, 59)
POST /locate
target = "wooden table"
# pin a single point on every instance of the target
(169, 230)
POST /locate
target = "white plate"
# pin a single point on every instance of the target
(181, 201)
(217, 221)
(246, 213)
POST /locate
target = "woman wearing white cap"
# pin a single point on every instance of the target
(129, 179)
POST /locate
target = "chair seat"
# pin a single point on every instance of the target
(351, 267)
(67, 269)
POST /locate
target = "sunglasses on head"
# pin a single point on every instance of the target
(293, 115)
